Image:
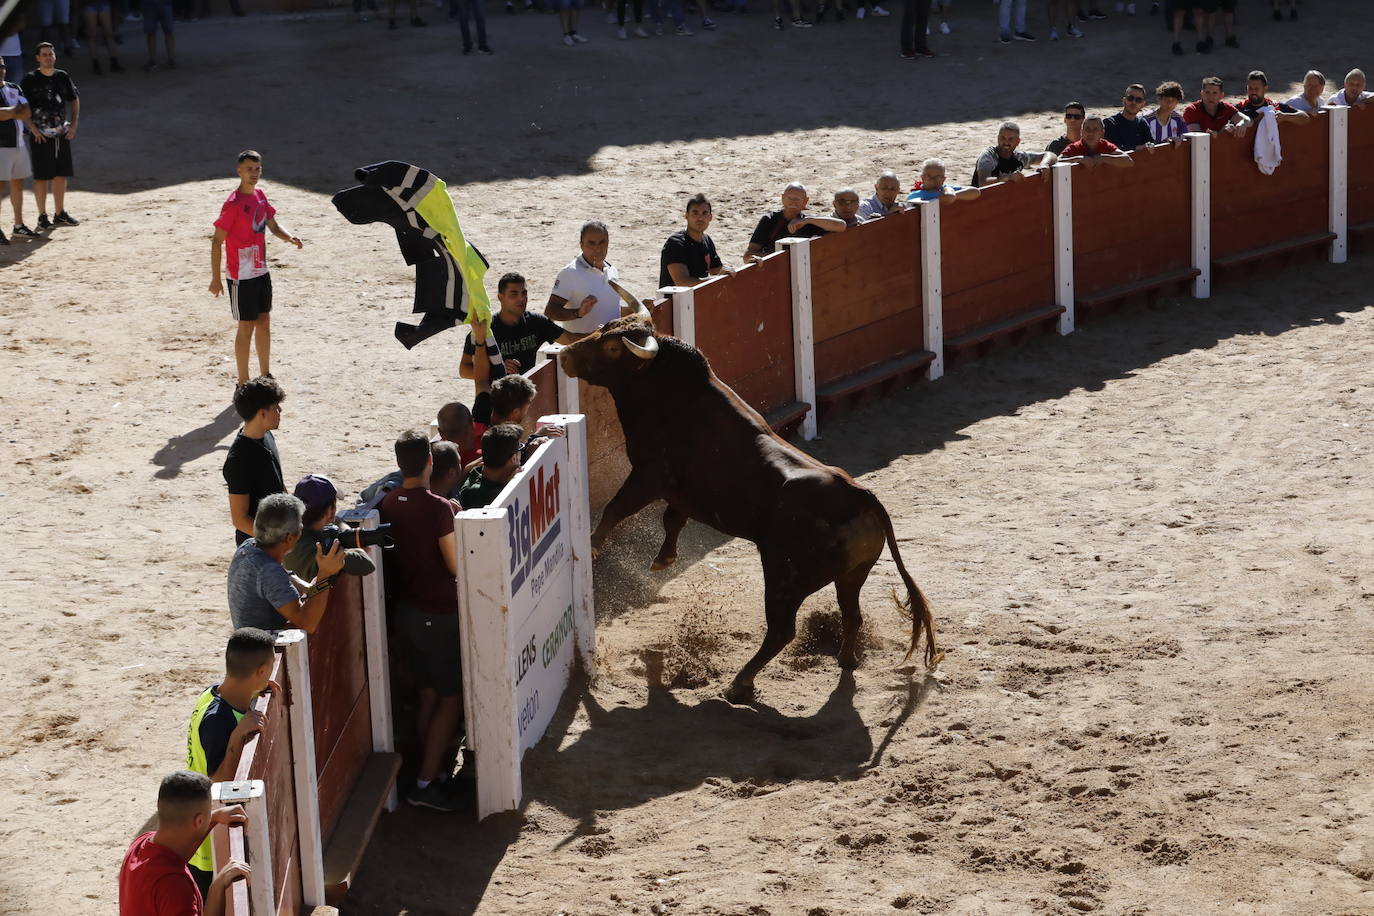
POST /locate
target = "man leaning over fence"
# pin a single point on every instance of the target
(1004, 162)
(790, 221)
(1094, 149)
(689, 256)
(1313, 88)
(1255, 101)
(262, 593)
(1212, 113)
(153, 878)
(932, 186)
(886, 199)
(1352, 94)
(224, 719)
(1127, 129)
(422, 582)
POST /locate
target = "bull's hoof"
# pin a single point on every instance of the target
(738, 693)
(848, 661)
(662, 562)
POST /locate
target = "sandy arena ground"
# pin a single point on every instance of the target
(1147, 545)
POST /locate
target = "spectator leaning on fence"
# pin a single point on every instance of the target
(1313, 88)
(519, 333)
(262, 593)
(1004, 162)
(1074, 113)
(1352, 94)
(689, 255)
(153, 879)
(931, 186)
(886, 199)
(1165, 123)
(790, 222)
(1127, 129)
(224, 719)
(252, 468)
(500, 461)
(1255, 101)
(846, 206)
(1212, 113)
(1094, 149)
(321, 500)
(422, 577)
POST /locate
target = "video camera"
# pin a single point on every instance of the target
(350, 536)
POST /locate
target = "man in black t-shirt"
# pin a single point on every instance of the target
(689, 256)
(791, 222)
(1074, 113)
(518, 332)
(252, 469)
(52, 129)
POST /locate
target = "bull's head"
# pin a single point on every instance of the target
(620, 350)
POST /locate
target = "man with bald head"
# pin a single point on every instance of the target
(846, 204)
(790, 222)
(1353, 95)
(886, 199)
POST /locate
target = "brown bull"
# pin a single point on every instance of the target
(694, 443)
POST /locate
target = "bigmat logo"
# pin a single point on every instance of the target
(532, 524)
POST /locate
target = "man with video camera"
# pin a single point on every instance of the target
(262, 593)
(321, 500)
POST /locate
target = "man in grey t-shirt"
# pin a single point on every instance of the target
(261, 592)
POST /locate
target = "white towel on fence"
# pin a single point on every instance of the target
(1268, 152)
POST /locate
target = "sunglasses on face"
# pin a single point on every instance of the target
(1073, 117)
(1135, 98)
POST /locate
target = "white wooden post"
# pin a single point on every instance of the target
(487, 690)
(1201, 146)
(932, 297)
(1062, 174)
(252, 795)
(1340, 163)
(578, 513)
(568, 397)
(300, 713)
(803, 331)
(684, 314)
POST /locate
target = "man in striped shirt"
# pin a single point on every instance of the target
(1165, 123)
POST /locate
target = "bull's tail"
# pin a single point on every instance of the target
(916, 600)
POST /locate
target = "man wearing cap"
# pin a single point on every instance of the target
(321, 500)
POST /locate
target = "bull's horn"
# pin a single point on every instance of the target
(648, 350)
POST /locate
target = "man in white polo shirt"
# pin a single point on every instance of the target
(587, 293)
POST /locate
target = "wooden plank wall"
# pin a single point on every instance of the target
(997, 254)
(866, 296)
(1251, 210)
(1360, 177)
(744, 326)
(1132, 224)
(338, 690)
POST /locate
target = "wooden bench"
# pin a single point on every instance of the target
(843, 391)
(1013, 327)
(1360, 228)
(1135, 288)
(347, 844)
(1271, 251)
(785, 418)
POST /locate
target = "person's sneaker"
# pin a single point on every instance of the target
(879, 11)
(622, 34)
(171, 64)
(391, 23)
(1178, 49)
(1054, 34)
(860, 13)
(1082, 16)
(1005, 39)
(924, 52)
(1095, 13)
(1154, 8)
(801, 22)
(116, 66)
(65, 219)
(1232, 41)
(44, 224)
(908, 55)
(1024, 36)
(658, 28)
(1278, 17)
(777, 24)
(1293, 14)
(611, 17)
(708, 24)
(580, 38)
(944, 28)
(640, 33)
(135, 16)
(3, 240)
(362, 17)
(467, 50)
(1202, 48)
(434, 797)
(418, 22)
(1211, 43)
(24, 231)
(683, 32)
(483, 49)
(568, 40)
(1074, 31)
(1130, 9)
(95, 66)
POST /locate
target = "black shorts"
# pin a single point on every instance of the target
(250, 298)
(51, 158)
(435, 654)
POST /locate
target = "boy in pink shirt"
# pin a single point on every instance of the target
(240, 236)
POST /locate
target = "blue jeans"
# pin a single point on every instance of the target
(462, 10)
(1004, 16)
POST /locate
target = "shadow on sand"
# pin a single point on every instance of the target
(197, 443)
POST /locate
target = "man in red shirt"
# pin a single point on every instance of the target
(1095, 149)
(154, 879)
(1212, 114)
